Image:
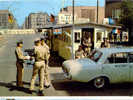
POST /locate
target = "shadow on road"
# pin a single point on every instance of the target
(12, 87)
(86, 89)
(55, 60)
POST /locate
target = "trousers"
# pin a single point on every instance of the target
(19, 75)
(38, 69)
(46, 76)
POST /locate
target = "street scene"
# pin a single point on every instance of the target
(60, 86)
(74, 49)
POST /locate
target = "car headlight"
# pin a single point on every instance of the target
(66, 70)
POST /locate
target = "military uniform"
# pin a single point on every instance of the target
(40, 56)
(19, 64)
(46, 72)
(105, 43)
(87, 44)
(79, 54)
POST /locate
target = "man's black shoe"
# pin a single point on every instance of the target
(46, 86)
(40, 93)
(30, 91)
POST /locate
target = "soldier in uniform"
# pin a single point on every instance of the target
(19, 63)
(87, 43)
(46, 73)
(105, 43)
(39, 65)
(79, 53)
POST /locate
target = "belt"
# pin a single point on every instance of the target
(39, 60)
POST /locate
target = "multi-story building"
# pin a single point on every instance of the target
(113, 9)
(36, 20)
(25, 24)
(7, 20)
(82, 14)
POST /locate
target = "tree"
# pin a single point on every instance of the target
(127, 17)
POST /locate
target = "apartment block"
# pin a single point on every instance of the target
(82, 14)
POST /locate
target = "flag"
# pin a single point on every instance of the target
(52, 18)
(10, 18)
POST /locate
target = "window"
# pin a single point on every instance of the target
(95, 55)
(116, 13)
(130, 57)
(77, 37)
(117, 58)
(99, 36)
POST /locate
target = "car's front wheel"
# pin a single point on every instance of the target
(100, 82)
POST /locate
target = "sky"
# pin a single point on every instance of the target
(22, 8)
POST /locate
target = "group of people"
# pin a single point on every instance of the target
(41, 56)
(85, 48)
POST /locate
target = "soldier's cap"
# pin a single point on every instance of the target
(36, 40)
(20, 42)
(42, 38)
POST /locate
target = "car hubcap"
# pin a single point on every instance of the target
(99, 82)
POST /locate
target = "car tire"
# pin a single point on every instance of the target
(100, 82)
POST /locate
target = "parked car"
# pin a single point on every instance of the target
(103, 66)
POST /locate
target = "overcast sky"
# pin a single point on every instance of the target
(22, 8)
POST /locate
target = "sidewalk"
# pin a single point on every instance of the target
(8, 84)
(2, 41)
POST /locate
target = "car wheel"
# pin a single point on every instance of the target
(100, 82)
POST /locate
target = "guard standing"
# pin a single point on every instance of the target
(19, 63)
(39, 65)
(46, 72)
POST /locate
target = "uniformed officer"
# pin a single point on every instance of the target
(39, 65)
(19, 63)
(79, 53)
(44, 44)
(46, 73)
(105, 43)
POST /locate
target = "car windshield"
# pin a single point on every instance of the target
(95, 55)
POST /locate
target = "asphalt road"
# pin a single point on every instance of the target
(59, 85)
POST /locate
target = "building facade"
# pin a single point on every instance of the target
(25, 24)
(113, 9)
(7, 20)
(36, 20)
(82, 14)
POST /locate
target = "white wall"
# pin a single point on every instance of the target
(18, 31)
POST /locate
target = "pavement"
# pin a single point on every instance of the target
(59, 85)
(8, 68)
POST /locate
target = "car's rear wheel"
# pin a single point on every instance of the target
(100, 82)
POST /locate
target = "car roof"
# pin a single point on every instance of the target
(108, 51)
(115, 50)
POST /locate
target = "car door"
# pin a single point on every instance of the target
(117, 68)
(130, 61)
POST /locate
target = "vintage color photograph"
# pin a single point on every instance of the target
(66, 48)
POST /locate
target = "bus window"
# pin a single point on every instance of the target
(77, 37)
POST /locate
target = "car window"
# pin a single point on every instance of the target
(118, 58)
(130, 57)
(95, 55)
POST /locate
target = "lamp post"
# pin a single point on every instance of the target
(73, 53)
(97, 10)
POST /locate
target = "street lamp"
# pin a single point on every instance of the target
(97, 10)
(73, 54)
